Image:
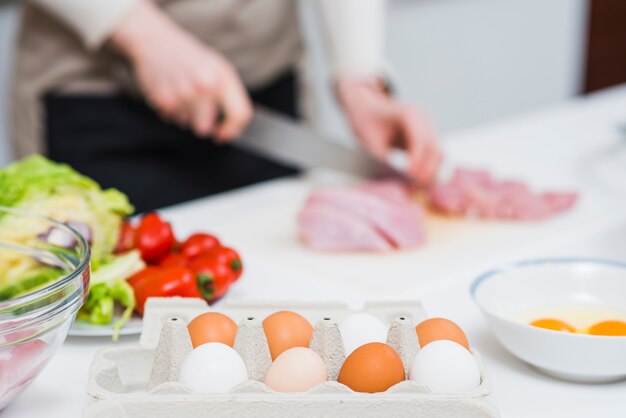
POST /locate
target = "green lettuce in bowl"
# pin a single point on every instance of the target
(38, 185)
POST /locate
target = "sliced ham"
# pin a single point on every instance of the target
(372, 216)
(560, 201)
(324, 227)
(382, 215)
(476, 193)
(398, 221)
(387, 189)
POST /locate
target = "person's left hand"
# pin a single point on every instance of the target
(381, 123)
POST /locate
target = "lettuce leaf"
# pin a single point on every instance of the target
(119, 267)
(107, 286)
(55, 190)
(58, 191)
(36, 278)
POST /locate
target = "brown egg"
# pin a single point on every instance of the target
(285, 330)
(212, 327)
(435, 329)
(373, 367)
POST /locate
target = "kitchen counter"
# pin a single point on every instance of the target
(576, 143)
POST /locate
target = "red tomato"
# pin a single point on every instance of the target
(154, 237)
(214, 278)
(167, 281)
(173, 260)
(126, 238)
(176, 246)
(199, 243)
(140, 276)
(229, 257)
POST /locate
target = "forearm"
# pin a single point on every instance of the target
(92, 20)
(142, 29)
(355, 36)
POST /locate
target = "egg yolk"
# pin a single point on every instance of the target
(612, 328)
(553, 324)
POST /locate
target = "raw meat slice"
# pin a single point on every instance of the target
(388, 189)
(449, 198)
(464, 176)
(324, 227)
(399, 221)
(475, 192)
(560, 201)
(370, 216)
(19, 365)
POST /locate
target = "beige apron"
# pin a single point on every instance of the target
(261, 38)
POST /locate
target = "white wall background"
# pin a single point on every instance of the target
(472, 61)
(466, 61)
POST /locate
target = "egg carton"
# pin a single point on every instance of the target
(141, 380)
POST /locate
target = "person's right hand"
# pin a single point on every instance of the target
(183, 79)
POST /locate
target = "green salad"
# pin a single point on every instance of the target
(57, 191)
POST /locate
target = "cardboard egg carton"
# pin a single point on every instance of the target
(141, 380)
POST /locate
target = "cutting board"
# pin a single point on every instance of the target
(260, 222)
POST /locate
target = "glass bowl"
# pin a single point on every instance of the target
(44, 279)
(575, 289)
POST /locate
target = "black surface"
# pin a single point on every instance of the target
(120, 142)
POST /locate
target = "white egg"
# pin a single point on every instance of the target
(213, 368)
(445, 367)
(359, 329)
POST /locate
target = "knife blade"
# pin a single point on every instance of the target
(279, 138)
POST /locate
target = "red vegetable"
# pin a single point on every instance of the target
(136, 279)
(199, 267)
(230, 258)
(176, 246)
(154, 237)
(168, 281)
(214, 278)
(174, 260)
(199, 243)
(126, 239)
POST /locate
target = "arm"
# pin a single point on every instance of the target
(355, 32)
(183, 79)
(92, 20)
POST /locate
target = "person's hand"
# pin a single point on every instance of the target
(381, 123)
(183, 79)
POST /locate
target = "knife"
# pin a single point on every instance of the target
(279, 138)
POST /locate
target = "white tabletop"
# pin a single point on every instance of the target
(575, 137)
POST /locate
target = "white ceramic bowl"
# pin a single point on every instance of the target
(521, 286)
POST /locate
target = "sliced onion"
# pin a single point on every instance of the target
(59, 237)
(83, 229)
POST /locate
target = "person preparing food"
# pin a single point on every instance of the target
(123, 90)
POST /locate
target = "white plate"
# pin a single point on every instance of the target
(83, 329)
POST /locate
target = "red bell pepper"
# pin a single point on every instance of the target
(230, 258)
(214, 278)
(166, 281)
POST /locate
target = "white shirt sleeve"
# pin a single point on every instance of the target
(92, 20)
(354, 32)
